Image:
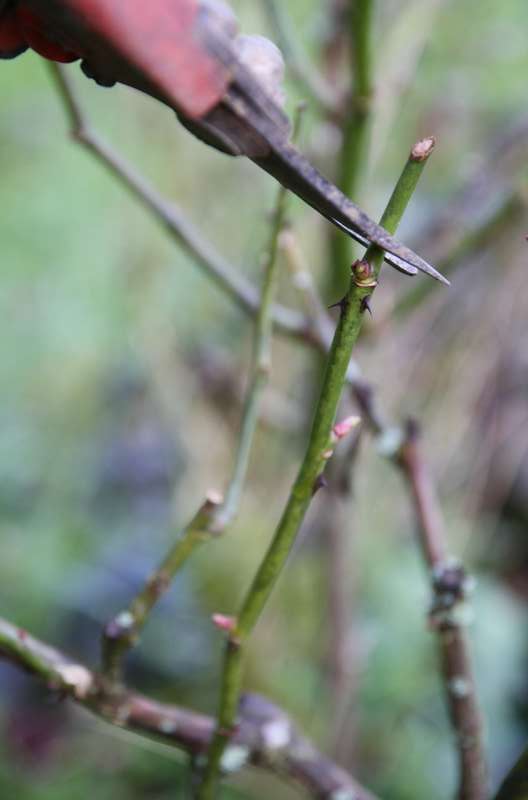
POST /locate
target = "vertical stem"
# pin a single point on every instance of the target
(261, 357)
(353, 156)
(261, 364)
(450, 592)
(122, 632)
(354, 149)
(362, 285)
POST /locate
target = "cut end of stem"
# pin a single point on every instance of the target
(214, 498)
(423, 149)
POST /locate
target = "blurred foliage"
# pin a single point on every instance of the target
(112, 429)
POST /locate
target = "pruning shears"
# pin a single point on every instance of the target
(184, 53)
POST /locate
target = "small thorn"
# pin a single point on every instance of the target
(365, 305)
(340, 304)
(412, 430)
(320, 483)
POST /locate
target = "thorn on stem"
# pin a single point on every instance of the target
(320, 483)
(340, 304)
(365, 305)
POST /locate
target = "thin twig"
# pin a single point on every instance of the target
(266, 738)
(320, 446)
(321, 321)
(261, 360)
(216, 267)
(448, 616)
(122, 632)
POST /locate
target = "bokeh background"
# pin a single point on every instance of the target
(122, 371)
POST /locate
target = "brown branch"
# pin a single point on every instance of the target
(451, 587)
(245, 295)
(266, 737)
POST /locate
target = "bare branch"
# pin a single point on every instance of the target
(266, 737)
(122, 632)
(260, 370)
(220, 271)
(448, 617)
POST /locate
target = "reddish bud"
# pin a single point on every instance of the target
(343, 428)
(223, 622)
(363, 274)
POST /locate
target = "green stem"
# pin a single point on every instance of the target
(261, 358)
(122, 632)
(354, 149)
(261, 362)
(352, 307)
(401, 195)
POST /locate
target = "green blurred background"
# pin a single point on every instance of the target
(122, 370)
